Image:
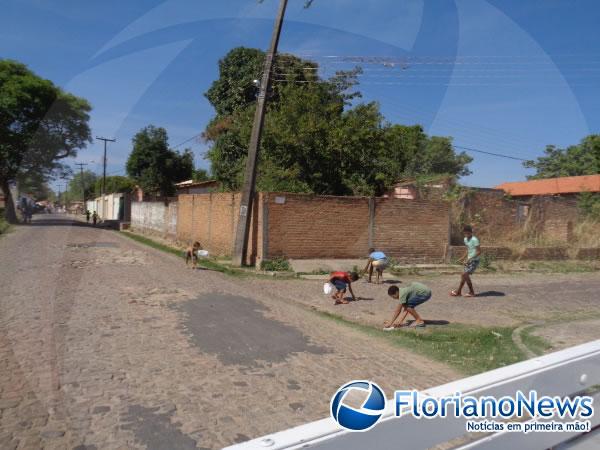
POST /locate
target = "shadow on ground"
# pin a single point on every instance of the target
(490, 294)
(236, 330)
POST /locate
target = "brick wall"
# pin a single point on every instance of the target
(306, 226)
(493, 217)
(498, 219)
(411, 230)
(588, 253)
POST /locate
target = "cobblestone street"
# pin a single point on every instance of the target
(108, 344)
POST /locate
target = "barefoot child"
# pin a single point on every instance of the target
(378, 261)
(410, 297)
(191, 254)
(341, 280)
(471, 262)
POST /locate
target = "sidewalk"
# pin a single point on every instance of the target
(320, 266)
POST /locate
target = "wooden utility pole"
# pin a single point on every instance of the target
(82, 182)
(245, 212)
(104, 163)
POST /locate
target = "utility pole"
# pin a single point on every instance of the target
(104, 172)
(82, 182)
(245, 212)
(104, 163)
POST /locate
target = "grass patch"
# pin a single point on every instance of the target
(468, 349)
(276, 265)
(207, 263)
(562, 266)
(210, 264)
(536, 344)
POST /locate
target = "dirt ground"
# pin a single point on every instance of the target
(502, 300)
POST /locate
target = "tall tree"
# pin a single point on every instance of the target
(39, 125)
(317, 137)
(575, 160)
(115, 183)
(81, 183)
(154, 166)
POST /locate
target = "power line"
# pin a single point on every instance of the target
(187, 140)
(500, 155)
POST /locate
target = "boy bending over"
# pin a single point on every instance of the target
(410, 297)
(341, 281)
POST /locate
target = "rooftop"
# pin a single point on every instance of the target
(553, 186)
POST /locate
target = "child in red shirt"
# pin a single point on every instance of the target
(341, 281)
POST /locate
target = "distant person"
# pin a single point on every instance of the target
(94, 218)
(87, 215)
(470, 261)
(341, 281)
(410, 297)
(191, 254)
(377, 261)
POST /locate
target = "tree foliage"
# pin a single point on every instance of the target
(154, 166)
(317, 136)
(575, 160)
(40, 124)
(114, 184)
(83, 182)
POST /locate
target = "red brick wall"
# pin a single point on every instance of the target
(493, 217)
(211, 219)
(307, 226)
(411, 230)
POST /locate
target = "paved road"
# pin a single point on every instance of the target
(105, 344)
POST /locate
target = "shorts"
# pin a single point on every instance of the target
(417, 300)
(339, 285)
(471, 266)
(380, 264)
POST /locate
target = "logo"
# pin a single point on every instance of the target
(362, 418)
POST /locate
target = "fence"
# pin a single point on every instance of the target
(116, 206)
(563, 373)
(158, 218)
(306, 226)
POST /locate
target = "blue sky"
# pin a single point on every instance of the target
(504, 76)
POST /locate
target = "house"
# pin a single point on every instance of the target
(563, 186)
(197, 187)
(412, 189)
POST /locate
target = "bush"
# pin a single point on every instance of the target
(485, 261)
(276, 265)
(589, 203)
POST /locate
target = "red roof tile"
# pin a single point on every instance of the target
(553, 186)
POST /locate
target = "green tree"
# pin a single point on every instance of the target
(114, 184)
(201, 175)
(155, 167)
(575, 160)
(317, 137)
(39, 125)
(81, 183)
(35, 185)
